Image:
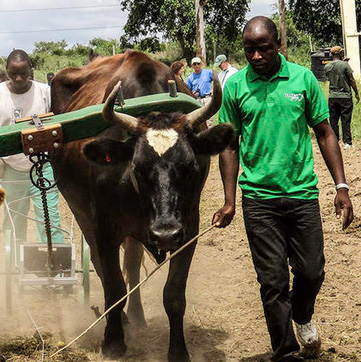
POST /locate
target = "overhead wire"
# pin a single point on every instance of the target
(70, 29)
(60, 8)
(61, 29)
(98, 7)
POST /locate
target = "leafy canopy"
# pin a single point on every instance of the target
(321, 18)
(175, 20)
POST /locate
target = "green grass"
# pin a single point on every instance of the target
(356, 114)
(52, 63)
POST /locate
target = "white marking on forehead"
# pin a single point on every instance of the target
(161, 140)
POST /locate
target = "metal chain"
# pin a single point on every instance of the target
(44, 184)
(39, 160)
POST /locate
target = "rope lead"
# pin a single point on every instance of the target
(171, 256)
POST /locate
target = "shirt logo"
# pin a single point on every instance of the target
(294, 97)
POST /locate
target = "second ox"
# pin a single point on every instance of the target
(139, 182)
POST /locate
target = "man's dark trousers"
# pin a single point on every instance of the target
(281, 230)
(341, 108)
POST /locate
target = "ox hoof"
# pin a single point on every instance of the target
(113, 350)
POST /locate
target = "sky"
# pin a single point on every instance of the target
(24, 22)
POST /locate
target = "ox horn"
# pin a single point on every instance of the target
(127, 122)
(202, 114)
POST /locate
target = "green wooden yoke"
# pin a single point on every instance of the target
(88, 122)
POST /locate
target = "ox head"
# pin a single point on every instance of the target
(167, 164)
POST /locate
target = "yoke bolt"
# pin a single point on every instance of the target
(31, 150)
(54, 133)
(56, 145)
(30, 137)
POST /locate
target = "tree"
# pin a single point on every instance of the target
(299, 42)
(200, 43)
(283, 27)
(176, 20)
(321, 18)
(51, 47)
(154, 18)
(105, 47)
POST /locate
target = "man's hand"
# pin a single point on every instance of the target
(343, 205)
(223, 216)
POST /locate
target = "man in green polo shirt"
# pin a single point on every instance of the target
(271, 103)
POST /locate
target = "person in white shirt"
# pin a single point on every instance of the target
(226, 67)
(22, 97)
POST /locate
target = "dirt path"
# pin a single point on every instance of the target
(224, 319)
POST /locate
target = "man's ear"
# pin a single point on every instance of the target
(109, 152)
(213, 140)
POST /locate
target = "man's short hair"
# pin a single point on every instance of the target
(267, 23)
(18, 55)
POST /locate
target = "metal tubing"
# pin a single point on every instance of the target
(85, 267)
(172, 88)
(8, 266)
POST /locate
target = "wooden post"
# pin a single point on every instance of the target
(350, 35)
(283, 28)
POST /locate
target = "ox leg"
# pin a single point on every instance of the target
(175, 303)
(114, 289)
(133, 255)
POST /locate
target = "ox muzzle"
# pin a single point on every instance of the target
(166, 235)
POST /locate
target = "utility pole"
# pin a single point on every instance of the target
(283, 27)
(351, 35)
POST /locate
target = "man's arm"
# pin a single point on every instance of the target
(189, 83)
(354, 87)
(331, 153)
(229, 166)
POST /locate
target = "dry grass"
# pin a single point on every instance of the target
(30, 348)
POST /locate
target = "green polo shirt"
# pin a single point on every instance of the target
(272, 117)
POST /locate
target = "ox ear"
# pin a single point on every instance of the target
(109, 152)
(213, 140)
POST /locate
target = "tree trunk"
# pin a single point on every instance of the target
(186, 52)
(200, 43)
(283, 28)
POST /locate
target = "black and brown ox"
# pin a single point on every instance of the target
(139, 182)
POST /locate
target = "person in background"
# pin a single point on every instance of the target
(178, 69)
(49, 77)
(226, 69)
(22, 97)
(3, 77)
(340, 102)
(271, 103)
(200, 83)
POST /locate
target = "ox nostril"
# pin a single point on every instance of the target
(166, 235)
(153, 236)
